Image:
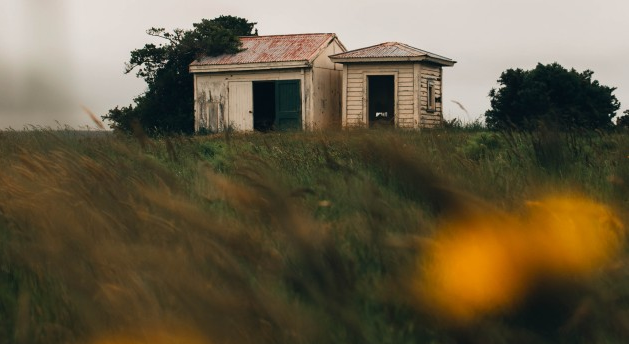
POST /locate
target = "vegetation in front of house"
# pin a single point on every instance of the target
(302, 237)
(167, 106)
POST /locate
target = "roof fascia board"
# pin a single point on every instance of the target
(393, 59)
(322, 48)
(447, 63)
(340, 44)
(248, 66)
(377, 59)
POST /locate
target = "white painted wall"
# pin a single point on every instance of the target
(212, 95)
(327, 82)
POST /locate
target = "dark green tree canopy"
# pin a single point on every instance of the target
(167, 105)
(623, 121)
(550, 96)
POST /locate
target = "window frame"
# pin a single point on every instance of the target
(432, 96)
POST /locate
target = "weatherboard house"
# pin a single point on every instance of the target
(275, 82)
(311, 81)
(392, 84)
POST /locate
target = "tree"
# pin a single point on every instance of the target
(623, 121)
(550, 96)
(167, 106)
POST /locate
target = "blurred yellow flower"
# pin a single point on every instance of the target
(485, 263)
(573, 236)
(475, 267)
(156, 337)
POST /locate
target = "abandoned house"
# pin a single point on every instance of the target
(274, 83)
(391, 84)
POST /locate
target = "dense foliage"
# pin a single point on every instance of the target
(550, 96)
(167, 105)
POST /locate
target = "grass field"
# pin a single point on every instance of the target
(443, 236)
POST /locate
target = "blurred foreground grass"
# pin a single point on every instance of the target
(308, 237)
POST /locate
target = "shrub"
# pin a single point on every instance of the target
(553, 97)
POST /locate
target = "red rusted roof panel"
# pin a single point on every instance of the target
(389, 49)
(280, 48)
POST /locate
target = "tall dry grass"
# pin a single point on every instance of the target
(127, 251)
(287, 238)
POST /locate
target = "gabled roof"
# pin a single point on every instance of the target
(390, 51)
(282, 51)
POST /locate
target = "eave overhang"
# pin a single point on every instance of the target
(442, 62)
(249, 67)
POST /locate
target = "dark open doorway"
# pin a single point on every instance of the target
(276, 105)
(263, 105)
(381, 100)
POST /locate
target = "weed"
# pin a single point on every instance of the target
(295, 237)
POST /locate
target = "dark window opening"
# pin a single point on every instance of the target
(263, 105)
(381, 100)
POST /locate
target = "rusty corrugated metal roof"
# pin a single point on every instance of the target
(279, 48)
(388, 50)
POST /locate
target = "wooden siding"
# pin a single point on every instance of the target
(429, 119)
(356, 108)
(212, 94)
(210, 103)
(411, 83)
(326, 83)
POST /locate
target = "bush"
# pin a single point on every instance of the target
(623, 121)
(552, 97)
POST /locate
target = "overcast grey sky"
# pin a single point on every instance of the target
(56, 55)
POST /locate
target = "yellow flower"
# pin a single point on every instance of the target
(485, 263)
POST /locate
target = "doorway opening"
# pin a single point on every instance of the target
(381, 100)
(276, 105)
(263, 105)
